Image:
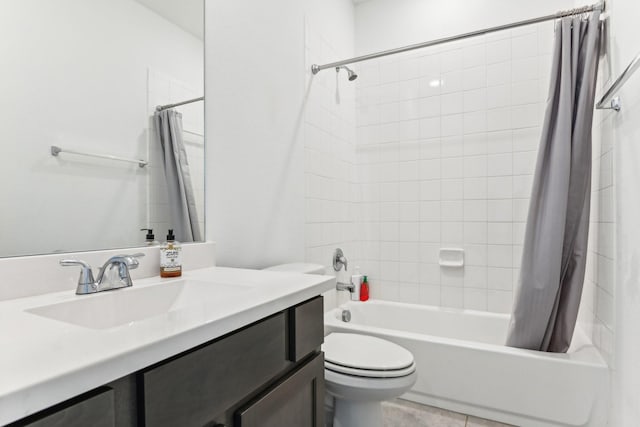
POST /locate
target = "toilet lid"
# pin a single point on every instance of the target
(365, 352)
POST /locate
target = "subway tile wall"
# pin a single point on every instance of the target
(597, 309)
(331, 190)
(446, 149)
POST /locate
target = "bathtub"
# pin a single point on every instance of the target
(463, 365)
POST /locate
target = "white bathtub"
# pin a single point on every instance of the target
(463, 366)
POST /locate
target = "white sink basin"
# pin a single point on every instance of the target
(109, 309)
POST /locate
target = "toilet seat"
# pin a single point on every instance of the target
(368, 373)
(366, 356)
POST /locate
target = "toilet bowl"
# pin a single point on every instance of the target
(360, 371)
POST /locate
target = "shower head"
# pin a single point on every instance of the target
(350, 73)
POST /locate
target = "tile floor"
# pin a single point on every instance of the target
(402, 413)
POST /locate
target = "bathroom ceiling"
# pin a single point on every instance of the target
(186, 14)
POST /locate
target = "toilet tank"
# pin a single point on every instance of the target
(299, 267)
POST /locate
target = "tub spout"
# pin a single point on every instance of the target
(345, 287)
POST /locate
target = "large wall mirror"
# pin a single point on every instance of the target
(86, 77)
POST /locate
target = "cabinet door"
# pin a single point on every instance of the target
(298, 400)
(194, 388)
(306, 328)
(94, 409)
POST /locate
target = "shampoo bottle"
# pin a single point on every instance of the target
(171, 257)
(356, 281)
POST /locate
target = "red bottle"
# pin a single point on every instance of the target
(364, 289)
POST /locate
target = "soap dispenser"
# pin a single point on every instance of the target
(150, 239)
(171, 257)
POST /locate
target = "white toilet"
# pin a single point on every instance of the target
(360, 371)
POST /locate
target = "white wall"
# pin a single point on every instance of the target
(619, 304)
(74, 74)
(255, 158)
(264, 109)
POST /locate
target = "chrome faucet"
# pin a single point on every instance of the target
(114, 274)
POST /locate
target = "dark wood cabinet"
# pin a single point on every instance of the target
(306, 333)
(95, 408)
(297, 400)
(269, 373)
(195, 388)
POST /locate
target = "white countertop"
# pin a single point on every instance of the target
(45, 361)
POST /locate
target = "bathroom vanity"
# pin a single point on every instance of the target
(219, 358)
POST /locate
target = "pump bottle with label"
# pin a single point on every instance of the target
(171, 257)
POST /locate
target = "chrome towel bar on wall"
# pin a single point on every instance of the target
(609, 100)
(55, 150)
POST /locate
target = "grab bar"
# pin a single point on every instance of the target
(55, 150)
(611, 102)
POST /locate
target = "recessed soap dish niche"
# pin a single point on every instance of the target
(451, 257)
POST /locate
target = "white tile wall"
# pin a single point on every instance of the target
(446, 148)
(331, 194)
(597, 305)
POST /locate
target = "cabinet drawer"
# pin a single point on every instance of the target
(298, 400)
(194, 388)
(306, 328)
(94, 408)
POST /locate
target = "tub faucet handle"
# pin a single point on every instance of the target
(339, 260)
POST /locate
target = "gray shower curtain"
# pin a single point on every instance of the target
(182, 205)
(555, 248)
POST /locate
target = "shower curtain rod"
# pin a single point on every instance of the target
(315, 68)
(177, 104)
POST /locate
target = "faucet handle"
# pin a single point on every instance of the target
(339, 260)
(85, 281)
(132, 260)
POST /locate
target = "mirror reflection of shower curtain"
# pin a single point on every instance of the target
(182, 204)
